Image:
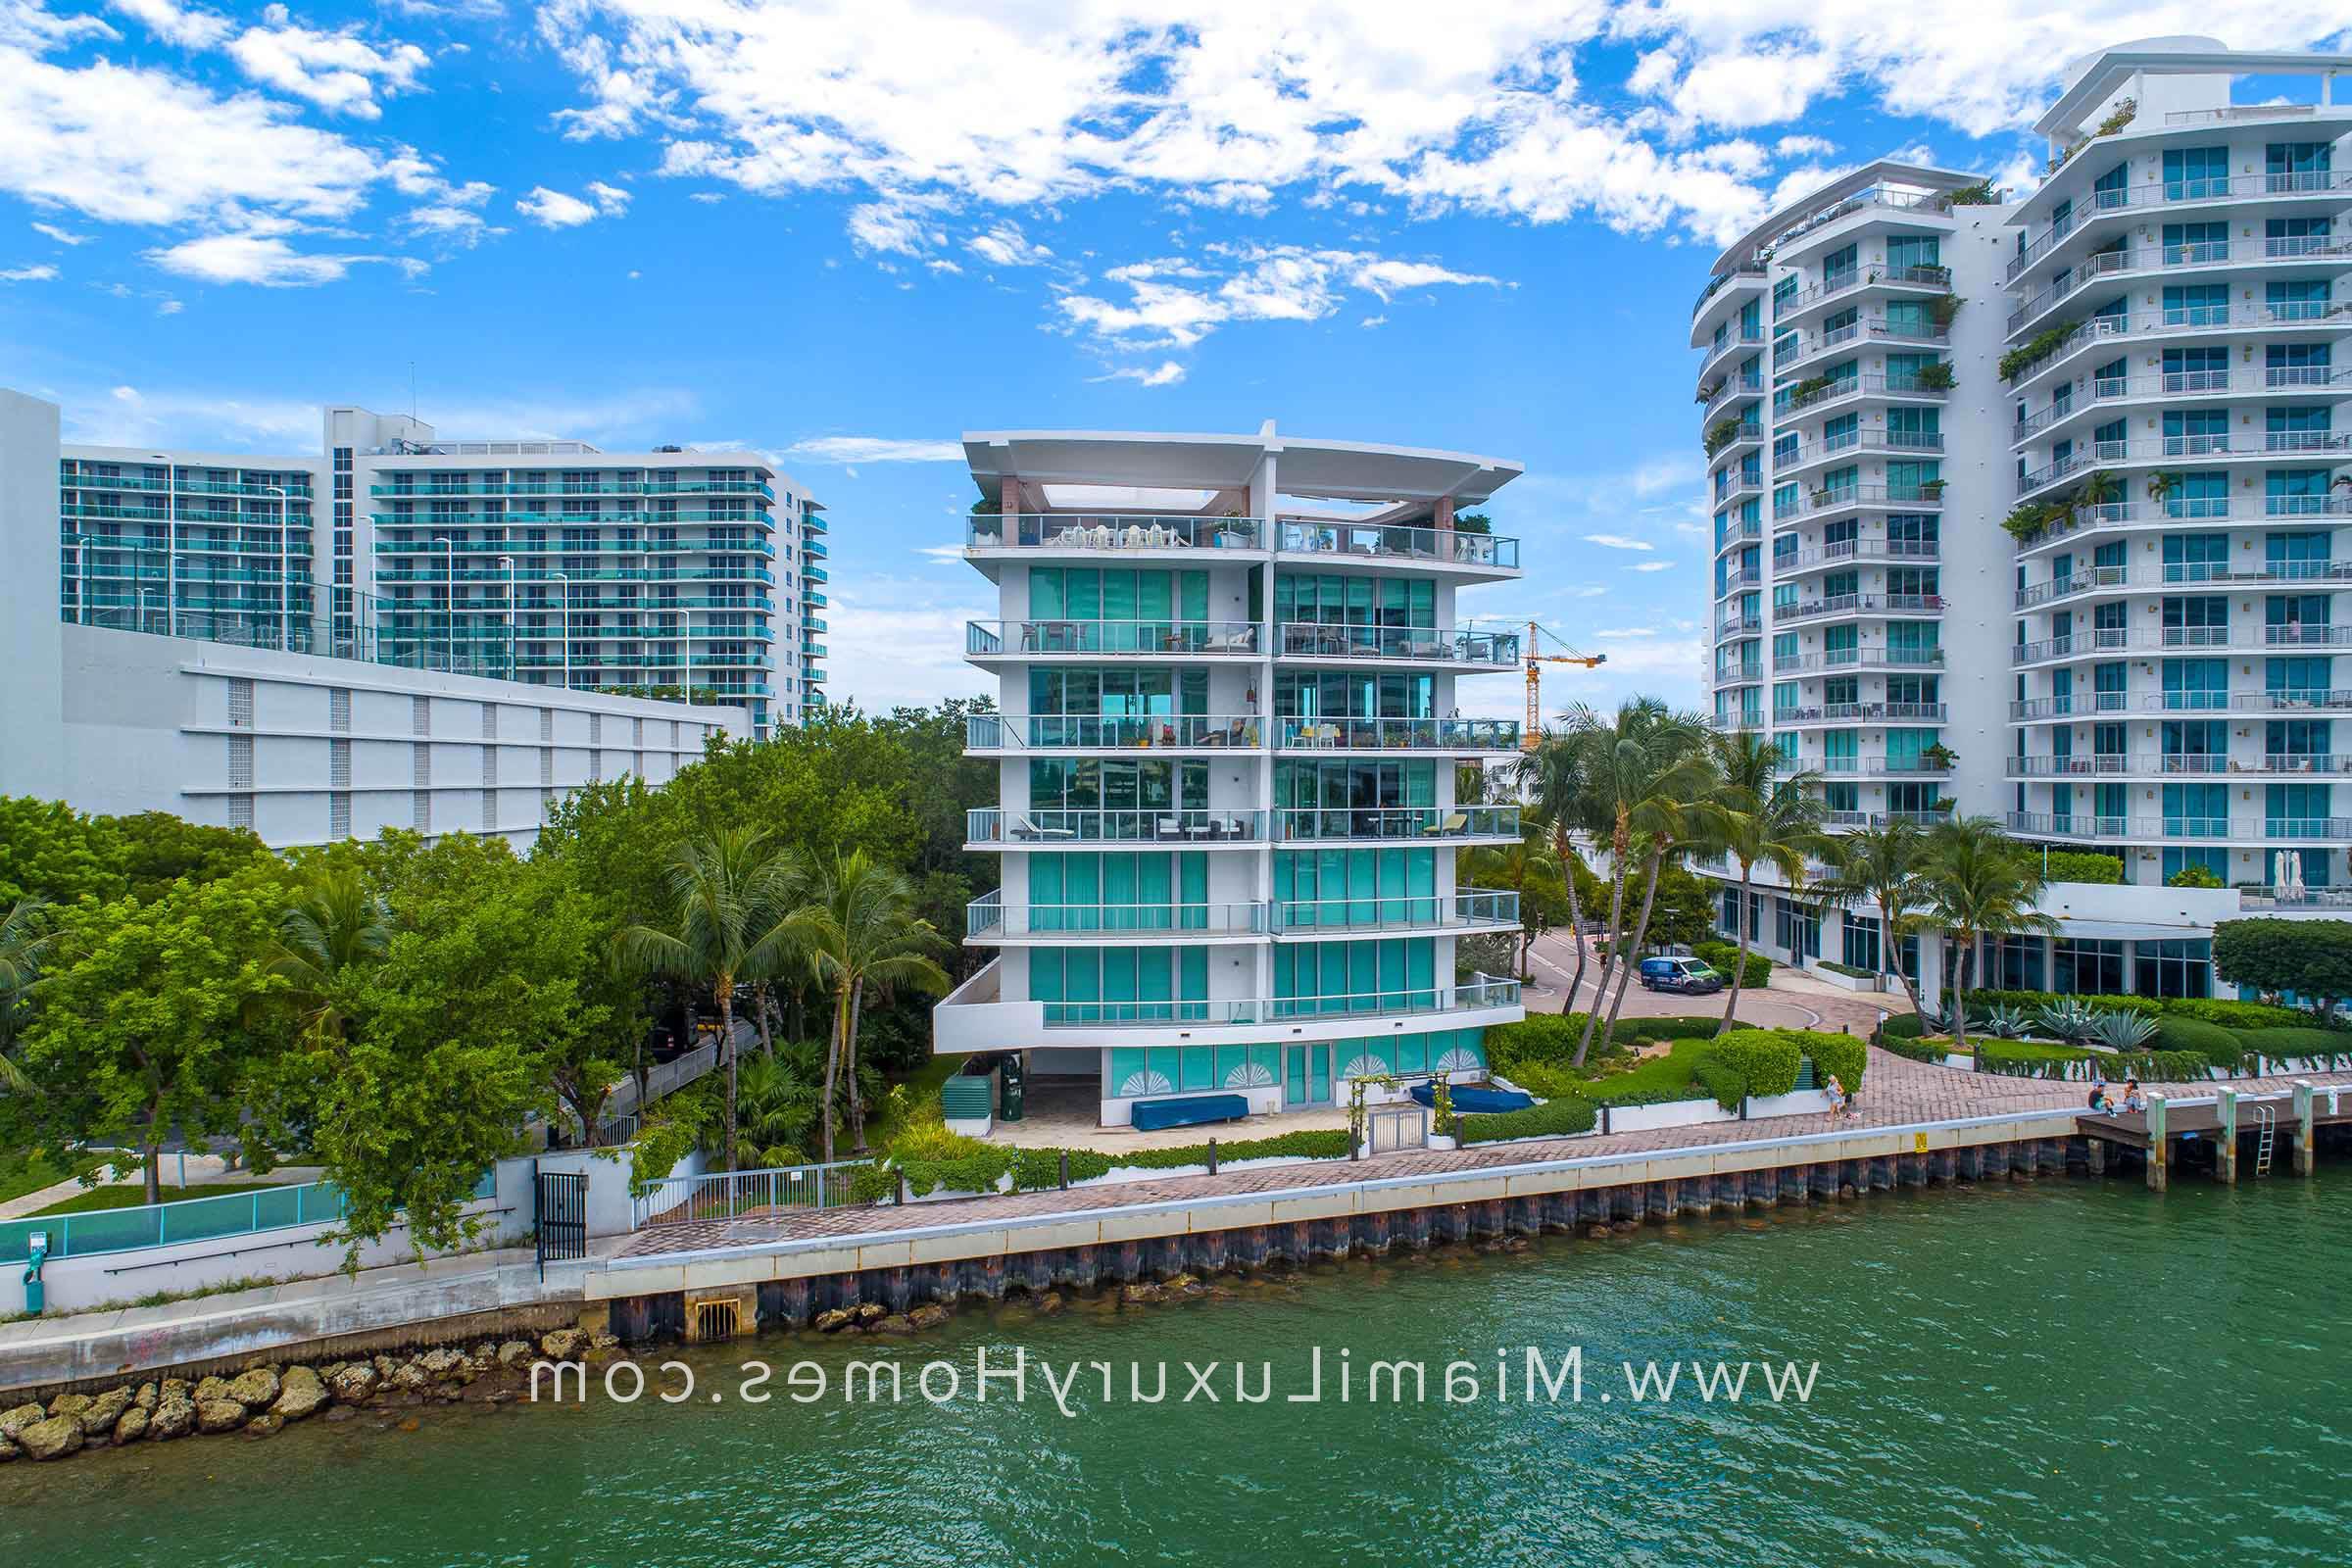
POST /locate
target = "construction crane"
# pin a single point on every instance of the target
(1532, 734)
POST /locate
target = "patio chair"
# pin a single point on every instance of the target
(1133, 539)
(1023, 828)
(1453, 823)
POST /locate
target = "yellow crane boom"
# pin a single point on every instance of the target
(1530, 734)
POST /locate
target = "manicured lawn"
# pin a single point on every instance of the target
(37, 1173)
(136, 1194)
(1668, 1074)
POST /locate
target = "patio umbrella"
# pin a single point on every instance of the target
(2278, 873)
(2295, 871)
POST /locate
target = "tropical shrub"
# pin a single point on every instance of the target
(2031, 1061)
(2006, 1023)
(2123, 1031)
(1722, 1080)
(2083, 866)
(1912, 1046)
(2311, 958)
(2193, 876)
(2069, 1020)
(1721, 956)
(2239, 1014)
(2334, 1046)
(1554, 1118)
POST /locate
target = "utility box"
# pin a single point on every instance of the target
(1011, 1093)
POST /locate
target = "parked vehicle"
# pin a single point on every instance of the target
(1691, 977)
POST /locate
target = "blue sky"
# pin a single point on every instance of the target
(841, 234)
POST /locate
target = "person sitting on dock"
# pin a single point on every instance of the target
(2134, 1099)
(2100, 1104)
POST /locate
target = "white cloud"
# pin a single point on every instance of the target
(875, 449)
(40, 273)
(264, 258)
(339, 72)
(1373, 320)
(1006, 245)
(1165, 374)
(169, 306)
(553, 209)
(1804, 147)
(62, 236)
(187, 26)
(1174, 302)
(1616, 541)
(1651, 566)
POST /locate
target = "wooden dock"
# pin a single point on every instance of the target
(2232, 1124)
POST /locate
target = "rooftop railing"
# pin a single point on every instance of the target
(1389, 542)
(1103, 530)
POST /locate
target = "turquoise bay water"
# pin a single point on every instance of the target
(2056, 1374)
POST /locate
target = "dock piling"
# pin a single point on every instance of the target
(2304, 1127)
(2225, 1153)
(2157, 1152)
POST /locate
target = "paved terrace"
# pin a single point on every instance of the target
(1897, 1093)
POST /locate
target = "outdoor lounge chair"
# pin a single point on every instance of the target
(1455, 822)
(1023, 828)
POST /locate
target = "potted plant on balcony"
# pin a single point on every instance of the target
(1938, 757)
(2098, 488)
(2161, 486)
(1936, 378)
(1706, 393)
(1932, 489)
(1944, 310)
(1722, 433)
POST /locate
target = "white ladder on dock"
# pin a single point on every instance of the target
(2265, 1126)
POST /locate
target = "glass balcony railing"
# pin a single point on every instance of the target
(1399, 734)
(1040, 827)
(989, 916)
(1095, 532)
(1409, 644)
(1467, 907)
(1439, 546)
(989, 732)
(1482, 993)
(1391, 824)
(1011, 638)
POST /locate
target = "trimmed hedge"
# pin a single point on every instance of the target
(1911, 1044)
(1765, 1060)
(2240, 1015)
(2030, 1059)
(1721, 1079)
(1037, 1169)
(2081, 865)
(1554, 1118)
(2032, 1001)
(2217, 1044)
(2274, 1045)
(1902, 1026)
(1722, 955)
(1841, 1055)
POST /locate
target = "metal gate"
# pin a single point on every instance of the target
(1395, 1127)
(560, 1216)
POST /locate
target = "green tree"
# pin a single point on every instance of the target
(1552, 778)
(1640, 772)
(1883, 868)
(155, 849)
(1757, 818)
(447, 1040)
(1980, 882)
(25, 942)
(862, 933)
(1529, 869)
(143, 1018)
(334, 922)
(49, 851)
(732, 894)
(2310, 958)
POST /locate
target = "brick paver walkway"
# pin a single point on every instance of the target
(1896, 1093)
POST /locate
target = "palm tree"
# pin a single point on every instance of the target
(1641, 770)
(1979, 883)
(334, 924)
(860, 931)
(779, 1102)
(1552, 778)
(25, 941)
(1760, 818)
(735, 894)
(1528, 869)
(1884, 866)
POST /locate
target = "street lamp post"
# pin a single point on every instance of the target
(285, 570)
(567, 582)
(508, 561)
(82, 576)
(450, 545)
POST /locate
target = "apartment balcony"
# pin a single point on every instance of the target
(1465, 909)
(1869, 332)
(2314, 256)
(1734, 534)
(1739, 675)
(1732, 487)
(1871, 605)
(1020, 639)
(2173, 764)
(1861, 820)
(592, 490)
(1856, 282)
(2107, 641)
(1858, 443)
(1397, 645)
(2328, 447)
(2320, 320)
(2321, 191)
(1826, 558)
(1741, 280)
(1092, 535)
(1871, 657)
(1715, 359)
(990, 919)
(1844, 714)
(1449, 548)
(2116, 518)
(113, 481)
(2175, 577)
(1014, 735)
(1715, 394)
(1168, 827)
(1399, 824)
(1740, 626)
(112, 513)
(1737, 582)
(1879, 767)
(2325, 383)
(2180, 829)
(1460, 737)
(1483, 995)
(2077, 707)
(1920, 389)
(1831, 502)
